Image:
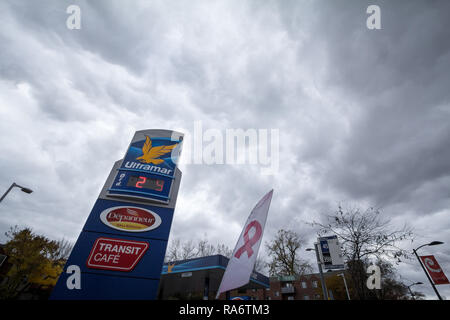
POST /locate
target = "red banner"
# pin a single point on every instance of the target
(434, 270)
(116, 254)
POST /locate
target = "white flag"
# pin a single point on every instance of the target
(241, 264)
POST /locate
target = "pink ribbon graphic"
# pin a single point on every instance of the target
(248, 243)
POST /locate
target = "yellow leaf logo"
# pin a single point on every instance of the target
(150, 154)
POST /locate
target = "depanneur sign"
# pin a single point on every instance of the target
(130, 219)
(116, 254)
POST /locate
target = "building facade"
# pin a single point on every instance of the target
(304, 287)
(196, 279)
(199, 278)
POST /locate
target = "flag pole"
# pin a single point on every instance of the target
(426, 273)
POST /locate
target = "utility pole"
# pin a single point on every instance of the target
(345, 283)
(24, 189)
(424, 270)
(319, 264)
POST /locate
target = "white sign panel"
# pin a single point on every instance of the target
(330, 253)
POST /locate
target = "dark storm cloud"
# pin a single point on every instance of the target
(397, 78)
(363, 115)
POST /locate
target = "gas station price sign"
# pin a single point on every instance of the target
(120, 251)
(147, 170)
(143, 182)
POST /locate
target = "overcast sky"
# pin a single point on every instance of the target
(363, 115)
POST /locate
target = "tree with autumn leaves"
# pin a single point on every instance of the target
(35, 263)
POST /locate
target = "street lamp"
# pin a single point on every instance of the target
(345, 283)
(409, 288)
(24, 189)
(322, 280)
(433, 243)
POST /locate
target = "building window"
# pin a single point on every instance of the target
(317, 296)
(277, 293)
(314, 284)
(304, 286)
(291, 298)
(306, 298)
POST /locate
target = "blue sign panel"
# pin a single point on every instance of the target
(120, 251)
(146, 266)
(324, 246)
(148, 169)
(124, 219)
(105, 287)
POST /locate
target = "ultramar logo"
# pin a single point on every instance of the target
(150, 159)
(150, 154)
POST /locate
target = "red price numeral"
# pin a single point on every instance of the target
(140, 182)
(160, 184)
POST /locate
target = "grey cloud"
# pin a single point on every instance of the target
(363, 115)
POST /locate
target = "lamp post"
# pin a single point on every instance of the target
(319, 264)
(345, 283)
(24, 189)
(434, 243)
(409, 288)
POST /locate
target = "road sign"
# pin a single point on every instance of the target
(121, 248)
(330, 253)
(434, 270)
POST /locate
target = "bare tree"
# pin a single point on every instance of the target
(204, 248)
(392, 287)
(260, 264)
(178, 250)
(284, 254)
(173, 250)
(64, 249)
(188, 250)
(224, 250)
(364, 235)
